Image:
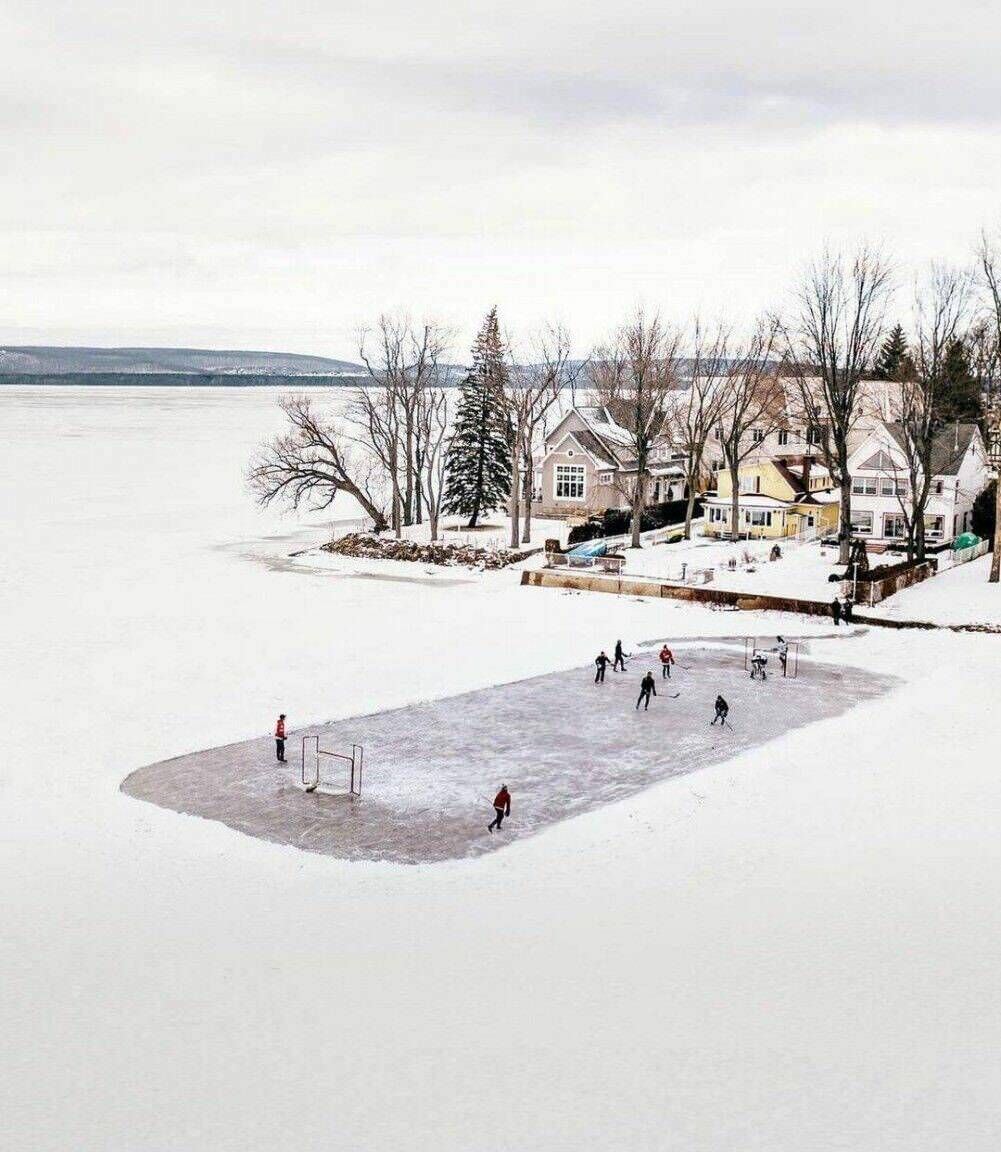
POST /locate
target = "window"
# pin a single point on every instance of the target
(757, 435)
(813, 435)
(656, 492)
(861, 523)
(863, 485)
(894, 526)
(604, 477)
(719, 515)
(890, 487)
(758, 519)
(717, 433)
(783, 436)
(749, 484)
(569, 483)
(935, 527)
(937, 488)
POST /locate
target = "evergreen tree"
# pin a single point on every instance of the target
(479, 452)
(893, 362)
(960, 397)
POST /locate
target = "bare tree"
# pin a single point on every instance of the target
(832, 344)
(532, 392)
(404, 361)
(432, 423)
(633, 376)
(990, 265)
(754, 406)
(940, 309)
(695, 411)
(311, 462)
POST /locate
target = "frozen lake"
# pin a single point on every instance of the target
(793, 948)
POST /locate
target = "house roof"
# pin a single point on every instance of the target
(590, 443)
(948, 449)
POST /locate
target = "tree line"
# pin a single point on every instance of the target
(411, 445)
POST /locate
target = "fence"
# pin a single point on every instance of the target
(962, 555)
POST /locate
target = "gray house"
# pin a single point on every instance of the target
(587, 465)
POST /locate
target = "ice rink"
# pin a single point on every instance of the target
(563, 745)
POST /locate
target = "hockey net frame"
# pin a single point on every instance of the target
(755, 644)
(317, 769)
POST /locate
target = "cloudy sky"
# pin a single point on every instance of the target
(242, 174)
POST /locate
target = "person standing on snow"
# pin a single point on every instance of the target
(836, 611)
(782, 648)
(620, 660)
(600, 663)
(280, 739)
(848, 609)
(648, 688)
(666, 660)
(502, 806)
(722, 710)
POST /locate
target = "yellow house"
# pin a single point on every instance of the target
(776, 498)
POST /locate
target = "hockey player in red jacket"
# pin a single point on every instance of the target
(502, 806)
(280, 739)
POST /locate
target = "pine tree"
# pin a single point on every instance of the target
(893, 362)
(960, 397)
(479, 452)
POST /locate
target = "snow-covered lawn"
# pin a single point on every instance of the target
(796, 948)
(959, 596)
(801, 572)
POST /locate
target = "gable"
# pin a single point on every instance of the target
(881, 462)
(589, 445)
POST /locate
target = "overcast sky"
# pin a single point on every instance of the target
(272, 176)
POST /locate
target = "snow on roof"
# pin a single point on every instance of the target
(948, 450)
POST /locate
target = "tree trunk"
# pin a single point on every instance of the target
(689, 509)
(636, 524)
(919, 538)
(526, 530)
(845, 535)
(515, 493)
(734, 503)
(995, 576)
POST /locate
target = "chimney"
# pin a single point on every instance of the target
(806, 472)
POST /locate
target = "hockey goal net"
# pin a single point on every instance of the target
(771, 655)
(330, 771)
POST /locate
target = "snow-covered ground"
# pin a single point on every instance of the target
(961, 595)
(795, 949)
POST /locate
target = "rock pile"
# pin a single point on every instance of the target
(444, 555)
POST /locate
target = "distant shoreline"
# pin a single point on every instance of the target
(174, 380)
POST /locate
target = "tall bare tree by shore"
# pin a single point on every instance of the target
(533, 391)
(404, 361)
(753, 406)
(831, 343)
(633, 376)
(940, 311)
(314, 460)
(694, 412)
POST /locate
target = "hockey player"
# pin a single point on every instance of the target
(620, 660)
(836, 611)
(600, 664)
(502, 808)
(648, 688)
(722, 710)
(782, 647)
(280, 739)
(666, 660)
(758, 662)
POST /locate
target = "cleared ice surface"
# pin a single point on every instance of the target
(563, 745)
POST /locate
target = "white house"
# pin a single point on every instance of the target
(881, 485)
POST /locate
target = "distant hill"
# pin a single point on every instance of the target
(111, 363)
